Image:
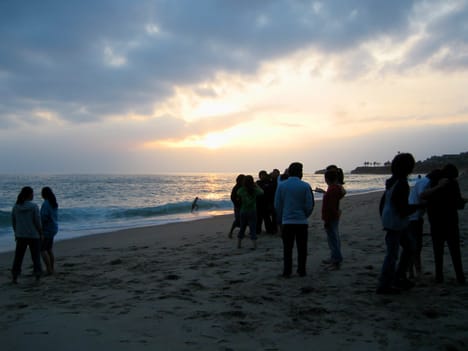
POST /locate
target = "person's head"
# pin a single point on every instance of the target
(26, 194)
(434, 176)
(49, 195)
(275, 173)
(248, 181)
(249, 184)
(295, 169)
(331, 176)
(262, 175)
(240, 179)
(450, 171)
(339, 171)
(402, 165)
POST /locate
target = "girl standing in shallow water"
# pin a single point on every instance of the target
(49, 216)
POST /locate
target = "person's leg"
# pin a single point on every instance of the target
(243, 226)
(387, 275)
(415, 229)
(52, 259)
(35, 249)
(453, 242)
(252, 218)
(438, 243)
(236, 222)
(301, 241)
(259, 217)
(20, 250)
(288, 245)
(418, 238)
(408, 249)
(334, 242)
(46, 246)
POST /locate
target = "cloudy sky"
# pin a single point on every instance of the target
(123, 86)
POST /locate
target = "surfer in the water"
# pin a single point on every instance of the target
(195, 204)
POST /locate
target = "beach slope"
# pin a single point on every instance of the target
(186, 286)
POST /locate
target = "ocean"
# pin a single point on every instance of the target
(92, 204)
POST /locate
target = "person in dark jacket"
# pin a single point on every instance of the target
(26, 223)
(443, 202)
(236, 202)
(394, 209)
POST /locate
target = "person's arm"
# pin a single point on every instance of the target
(37, 221)
(309, 202)
(400, 199)
(278, 204)
(13, 220)
(460, 201)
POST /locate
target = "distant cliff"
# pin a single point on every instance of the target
(421, 167)
(460, 160)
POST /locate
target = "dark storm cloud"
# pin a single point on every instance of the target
(90, 59)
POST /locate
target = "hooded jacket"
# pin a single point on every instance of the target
(26, 220)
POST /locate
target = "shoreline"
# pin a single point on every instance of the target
(185, 286)
(203, 216)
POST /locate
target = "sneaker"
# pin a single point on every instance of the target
(327, 261)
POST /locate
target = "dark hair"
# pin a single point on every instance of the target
(49, 195)
(339, 171)
(450, 171)
(332, 175)
(25, 194)
(295, 169)
(402, 164)
(240, 179)
(249, 184)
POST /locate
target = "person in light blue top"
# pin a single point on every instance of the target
(49, 220)
(294, 202)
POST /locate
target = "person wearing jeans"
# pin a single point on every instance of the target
(26, 224)
(394, 210)
(331, 215)
(294, 202)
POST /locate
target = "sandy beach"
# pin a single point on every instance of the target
(186, 286)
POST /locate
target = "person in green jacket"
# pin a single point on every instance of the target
(248, 211)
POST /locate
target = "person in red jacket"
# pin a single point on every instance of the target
(331, 215)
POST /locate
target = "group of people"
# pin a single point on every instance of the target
(35, 229)
(286, 201)
(402, 210)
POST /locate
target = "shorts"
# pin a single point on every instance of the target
(47, 244)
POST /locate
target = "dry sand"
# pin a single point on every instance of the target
(186, 286)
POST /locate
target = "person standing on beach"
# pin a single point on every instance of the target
(265, 202)
(416, 220)
(331, 215)
(294, 203)
(248, 194)
(443, 202)
(236, 203)
(394, 210)
(26, 224)
(49, 221)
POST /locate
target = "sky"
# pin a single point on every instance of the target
(148, 86)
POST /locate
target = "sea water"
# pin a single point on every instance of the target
(91, 204)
